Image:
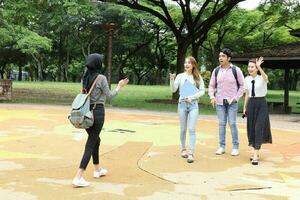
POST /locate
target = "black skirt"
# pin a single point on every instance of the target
(258, 122)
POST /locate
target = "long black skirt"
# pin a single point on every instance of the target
(258, 122)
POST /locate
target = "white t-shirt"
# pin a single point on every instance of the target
(179, 81)
(260, 86)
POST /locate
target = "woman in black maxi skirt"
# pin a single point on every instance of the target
(256, 108)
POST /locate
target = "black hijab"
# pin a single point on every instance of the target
(93, 65)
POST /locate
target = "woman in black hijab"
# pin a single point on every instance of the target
(93, 65)
(98, 97)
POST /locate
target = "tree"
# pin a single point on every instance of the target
(34, 45)
(66, 24)
(232, 31)
(135, 32)
(245, 30)
(196, 23)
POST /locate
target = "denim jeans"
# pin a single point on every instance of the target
(230, 112)
(188, 115)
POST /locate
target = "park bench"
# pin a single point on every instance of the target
(296, 108)
(277, 107)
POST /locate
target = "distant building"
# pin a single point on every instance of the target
(15, 74)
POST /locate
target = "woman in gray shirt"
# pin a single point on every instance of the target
(97, 99)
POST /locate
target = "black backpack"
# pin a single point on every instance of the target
(234, 74)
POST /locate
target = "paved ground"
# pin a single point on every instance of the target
(40, 152)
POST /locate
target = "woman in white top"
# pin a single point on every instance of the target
(256, 108)
(188, 105)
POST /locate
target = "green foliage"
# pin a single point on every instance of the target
(244, 31)
(206, 77)
(5, 36)
(53, 37)
(132, 96)
(76, 70)
(32, 43)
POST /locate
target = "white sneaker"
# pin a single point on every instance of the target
(190, 158)
(184, 153)
(80, 182)
(220, 151)
(101, 172)
(235, 152)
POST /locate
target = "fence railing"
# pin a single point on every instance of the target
(5, 89)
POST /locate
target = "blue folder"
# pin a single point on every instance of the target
(188, 89)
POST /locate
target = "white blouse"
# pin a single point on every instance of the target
(179, 81)
(260, 86)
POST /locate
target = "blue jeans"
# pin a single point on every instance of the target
(230, 112)
(188, 115)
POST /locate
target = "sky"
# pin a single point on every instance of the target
(249, 4)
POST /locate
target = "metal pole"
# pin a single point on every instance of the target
(110, 28)
(109, 53)
(286, 90)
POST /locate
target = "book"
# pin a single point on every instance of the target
(188, 89)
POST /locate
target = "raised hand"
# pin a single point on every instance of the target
(172, 76)
(123, 82)
(259, 61)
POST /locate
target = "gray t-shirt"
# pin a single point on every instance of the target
(101, 91)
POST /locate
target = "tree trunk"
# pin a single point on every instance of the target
(36, 72)
(181, 51)
(40, 71)
(20, 73)
(39, 68)
(121, 72)
(294, 79)
(158, 76)
(66, 78)
(195, 50)
(286, 88)
(60, 58)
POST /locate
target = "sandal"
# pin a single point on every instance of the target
(184, 153)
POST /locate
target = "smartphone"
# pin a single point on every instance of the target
(244, 115)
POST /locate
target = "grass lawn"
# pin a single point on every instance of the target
(132, 96)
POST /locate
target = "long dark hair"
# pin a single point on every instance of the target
(93, 69)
